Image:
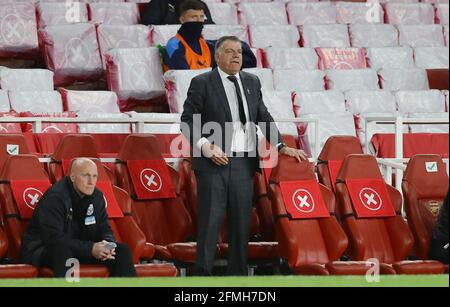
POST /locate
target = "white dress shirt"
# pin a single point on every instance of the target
(242, 141)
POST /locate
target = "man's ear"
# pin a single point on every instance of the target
(181, 19)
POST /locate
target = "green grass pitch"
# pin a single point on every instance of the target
(259, 281)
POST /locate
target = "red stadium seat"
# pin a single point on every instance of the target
(12, 144)
(27, 167)
(127, 231)
(438, 79)
(336, 148)
(13, 270)
(165, 222)
(263, 204)
(71, 146)
(425, 185)
(311, 246)
(387, 239)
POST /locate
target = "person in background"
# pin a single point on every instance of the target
(188, 49)
(162, 12)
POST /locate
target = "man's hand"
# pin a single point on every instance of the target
(214, 153)
(100, 252)
(299, 154)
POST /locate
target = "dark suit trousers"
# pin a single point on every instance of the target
(229, 191)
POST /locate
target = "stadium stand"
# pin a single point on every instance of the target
(339, 62)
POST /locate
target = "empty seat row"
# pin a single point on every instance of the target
(300, 204)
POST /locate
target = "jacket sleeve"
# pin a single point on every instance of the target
(153, 12)
(105, 231)
(53, 220)
(266, 121)
(174, 55)
(193, 105)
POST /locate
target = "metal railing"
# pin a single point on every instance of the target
(138, 123)
(399, 122)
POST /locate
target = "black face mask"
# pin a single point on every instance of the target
(192, 29)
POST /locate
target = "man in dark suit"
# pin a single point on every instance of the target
(220, 116)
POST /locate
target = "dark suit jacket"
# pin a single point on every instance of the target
(206, 97)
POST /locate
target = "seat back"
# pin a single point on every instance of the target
(263, 204)
(71, 146)
(11, 144)
(425, 185)
(304, 241)
(125, 229)
(387, 239)
(22, 167)
(156, 217)
(336, 149)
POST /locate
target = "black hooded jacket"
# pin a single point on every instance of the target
(61, 218)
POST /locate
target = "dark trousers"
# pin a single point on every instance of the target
(229, 191)
(55, 257)
(438, 252)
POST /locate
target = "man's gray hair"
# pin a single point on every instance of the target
(224, 39)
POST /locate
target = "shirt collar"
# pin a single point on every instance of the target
(224, 75)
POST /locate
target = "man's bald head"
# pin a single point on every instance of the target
(83, 175)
